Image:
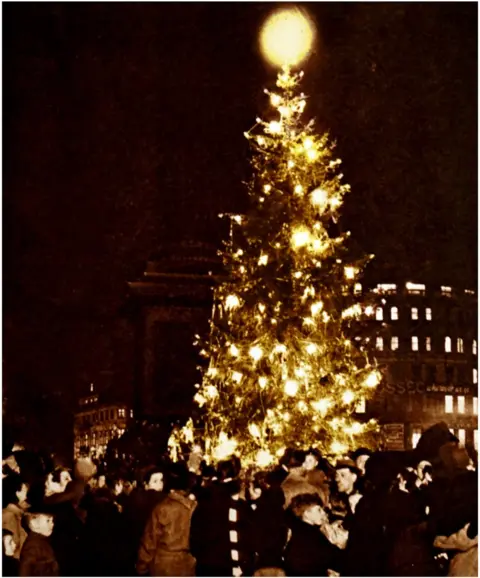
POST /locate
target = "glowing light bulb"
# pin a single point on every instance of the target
(369, 310)
(225, 447)
(211, 391)
(237, 376)
(264, 458)
(308, 143)
(280, 348)
(348, 397)
(290, 164)
(274, 127)
(262, 382)
(261, 141)
(234, 350)
(199, 399)
(275, 99)
(319, 197)
(311, 348)
(254, 430)
(298, 189)
(312, 155)
(350, 272)
(316, 308)
(300, 238)
(238, 219)
(373, 379)
(338, 448)
(298, 274)
(261, 307)
(212, 371)
(291, 387)
(321, 405)
(263, 260)
(287, 37)
(256, 352)
(231, 302)
(267, 188)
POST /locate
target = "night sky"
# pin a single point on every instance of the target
(123, 130)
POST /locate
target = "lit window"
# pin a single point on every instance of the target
(461, 437)
(461, 404)
(414, 343)
(475, 406)
(386, 288)
(449, 404)
(428, 314)
(446, 291)
(379, 314)
(469, 292)
(460, 345)
(394, 313)
(394, 344)
(361, 406)
(121, 412)
(414, 313)
(416, 435)
(428, 344)
(357, 288)
(451, 430)
(475, 439)
(415, 288)
(379, 343)
(474, 347)
(131, 413)
(448, 345)
(475, 375)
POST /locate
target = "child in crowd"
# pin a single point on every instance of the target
(37, 557)
(309, 552)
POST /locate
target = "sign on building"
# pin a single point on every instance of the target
(394, 436)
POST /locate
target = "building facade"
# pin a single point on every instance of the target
(426, 344)
(97, 422)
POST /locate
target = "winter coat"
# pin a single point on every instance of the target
(37, 557)
(296, 484)
(309, 553)
(12, 520)
(221, 536)
(164, 547)
(318, 479)
(413, 554)
(138, 507)
(10, 566)
(465, 562)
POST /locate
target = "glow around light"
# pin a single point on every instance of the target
(287, 37)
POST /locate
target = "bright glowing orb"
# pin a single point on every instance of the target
(287, 37)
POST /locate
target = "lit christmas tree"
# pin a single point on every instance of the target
(283, 370)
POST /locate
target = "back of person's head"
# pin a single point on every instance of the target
(12, 487)
(60, 474)
(409, 478)
(180, 478)
(154, 478)
(229, 469)
(303, 502)
(295, 459)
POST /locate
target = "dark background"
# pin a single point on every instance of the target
(123, 131)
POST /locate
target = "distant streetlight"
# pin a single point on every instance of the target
(287, 37)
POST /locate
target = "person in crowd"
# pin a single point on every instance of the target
(221, 533)
(296, 482)
(309, 552)
(165, 545)
(315, 474)
(14, 498)
(9, 460)
(360, 457)
(464, 545)
(37, 557)
(57, 481)
(346, 496)
(10, 554)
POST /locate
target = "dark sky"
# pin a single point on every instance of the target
(123, 130)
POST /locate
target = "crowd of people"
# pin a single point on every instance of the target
(366, 514)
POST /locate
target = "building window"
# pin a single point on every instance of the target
(448, 345)
(379, 343)
(416, 435)
(449, 404)
(461, 437)
(475, 439)
(474, 347)
(459, 345)
(415, 288)
(394, 313)
(394, 344)
(428, 344)
(357, 288)
(414, 343)
(428, 314)
(446, 291)
(386, 288)
(475, 406)
(121, 412)
(131, 413)
(475, 375)
(379, 314)
(461, 404)
(361, 406)
(414, 313)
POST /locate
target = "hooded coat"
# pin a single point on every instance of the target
(165, 544)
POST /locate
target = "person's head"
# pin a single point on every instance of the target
(8, 543)
(407, 480)
(14, 491)
(346, 474)
(41, 523)
(102, 481)
(294, 460)
(229, 469)
(311, 460)
(128, 486)
(309, 508)
(424, 467)
(118, 487)
(155, 480)
(180, 478)
(57, 481)
(360, 457)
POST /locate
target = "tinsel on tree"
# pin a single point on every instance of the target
(282, 370)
